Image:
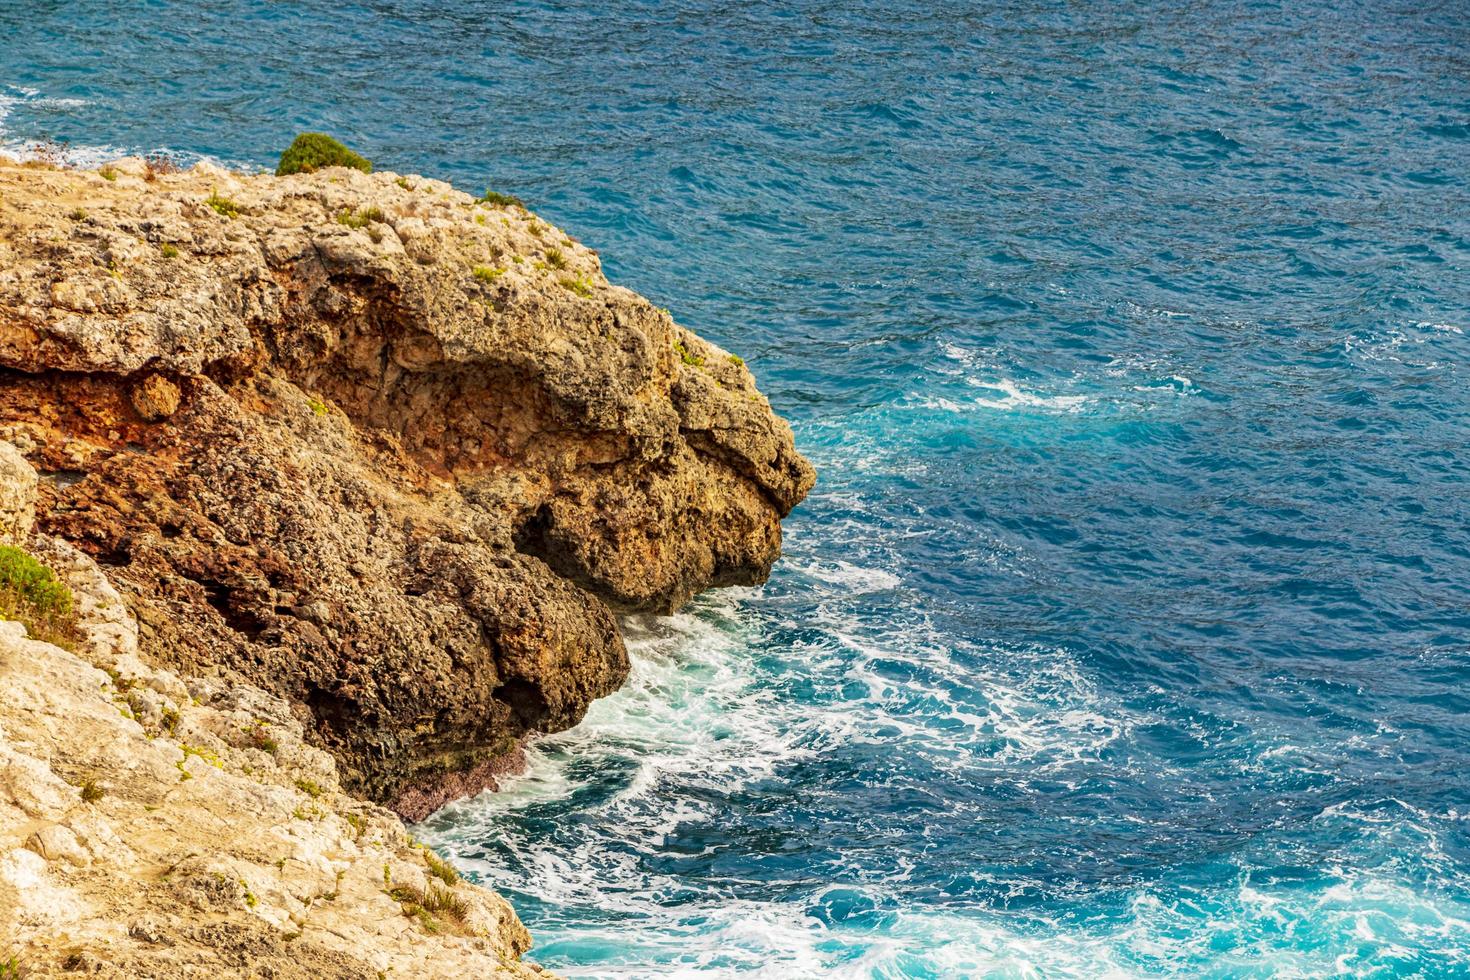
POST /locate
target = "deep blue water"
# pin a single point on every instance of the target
(1127, 631)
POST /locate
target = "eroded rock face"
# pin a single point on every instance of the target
(393, 455)
(153, 825)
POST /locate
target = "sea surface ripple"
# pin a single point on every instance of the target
(1127, 632)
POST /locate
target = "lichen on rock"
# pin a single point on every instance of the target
(328, 458)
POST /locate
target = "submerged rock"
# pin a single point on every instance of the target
(393, 454)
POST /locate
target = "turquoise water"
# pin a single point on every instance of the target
(1127, 631)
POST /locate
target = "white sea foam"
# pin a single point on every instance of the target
(33, 145)
(703, 716)
(1016, 397)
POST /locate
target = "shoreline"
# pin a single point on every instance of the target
(378, 459)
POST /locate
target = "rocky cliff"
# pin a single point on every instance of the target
(390, 453)
(153, 825)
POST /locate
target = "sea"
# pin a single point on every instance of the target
(1126, 632)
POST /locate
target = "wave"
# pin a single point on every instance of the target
(38, 145)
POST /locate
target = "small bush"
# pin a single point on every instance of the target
(222, 205)
(261, 739)
(737, 360)
(50, 153)
(360, 219)
(78, 214)
(693, 360)
(486, 274)
(403, 182)
(500, 200)
(309, 787)
(157, 165)
(31, 594)
(91, 792)
(107, 173)
(317, 406)
(169, 252)
(579, 286)
(431, 904)
(310, 152)
(11, 970)
(555, 258)
(441, 869)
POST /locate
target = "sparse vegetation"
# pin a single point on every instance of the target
(317, 406)
(431, 904)
(354, 820)
(309, 787)
(123, 684)
(169, 251)
(737, 360)
(78, 214)
(578, 285)
(202, 753)
(31, 594)
(441, 869)
(360, 219)
(403, 182)
(10, 969)
(693, 360)
(91, 792)
(159, 164)
(47, 152)
(486, 274)
(261, 739)
(107, 173)
(310, 152)
(170, 720)
(500, 200)
(222, 205)
(555, 258)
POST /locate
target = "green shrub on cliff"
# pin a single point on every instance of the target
(441, 869)
(313, 151)
(360, 219)
(222, 205)
(578, 285)
(688, 357)
(500, 200)
(31, 595)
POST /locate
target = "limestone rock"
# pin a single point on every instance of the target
(17, 496)
(390, 453)
(195, 852)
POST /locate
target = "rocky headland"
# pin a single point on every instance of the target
(350, 474)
